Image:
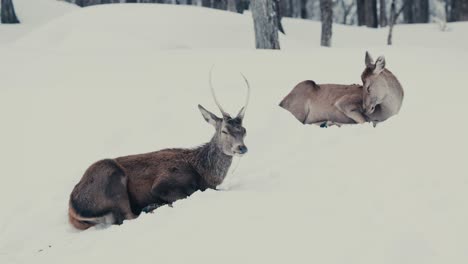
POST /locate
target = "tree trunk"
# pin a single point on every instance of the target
(326, 11)
(265, 24)
(448, 17)
(8, 15)
(279, 16)
(361, 12)
(408, 12)
(416, 11)
(309, 10)
(459, 10)
(421, 11)
(391, 23)
(296, 8)
(205, 3)
(393, 18)
(219, 4)
(232, 5)
(371, 13)
(346, 10)
(284, 7)
(383, 13)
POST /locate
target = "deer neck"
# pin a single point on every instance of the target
(211, 163)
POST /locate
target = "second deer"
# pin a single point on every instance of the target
(379, 98)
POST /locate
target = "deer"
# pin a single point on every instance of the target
(382, 92)
(325, 105)
(114, 190)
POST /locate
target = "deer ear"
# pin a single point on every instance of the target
(208, 116)
(368, 60)
(379, 64)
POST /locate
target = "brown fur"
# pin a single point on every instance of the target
(113, 190)
(155, 178)
(311, 103)
(76, 221)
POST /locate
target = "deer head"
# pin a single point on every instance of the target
(230, 133)
(374, 86)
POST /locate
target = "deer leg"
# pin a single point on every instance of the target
(168, 191)
(349, 105)
(117, 195)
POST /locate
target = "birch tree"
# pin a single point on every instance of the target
(326, 11)
(8, 15)
(264, 13)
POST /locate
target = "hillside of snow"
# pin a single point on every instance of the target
(113, 80)
(33, 14)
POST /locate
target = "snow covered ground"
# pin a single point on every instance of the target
(113, 80)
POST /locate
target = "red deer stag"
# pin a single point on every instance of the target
(113, 190)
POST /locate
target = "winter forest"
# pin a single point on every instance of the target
(369, 13)
(233, 131)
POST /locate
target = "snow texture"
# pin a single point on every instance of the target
(82, 84)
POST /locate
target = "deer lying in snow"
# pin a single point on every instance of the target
(325, 104)
(379, 98)
(113, 190)
(382, 92)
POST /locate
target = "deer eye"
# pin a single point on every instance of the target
(224, 132)
(368, 89)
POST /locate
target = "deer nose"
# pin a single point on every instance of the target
(242, 149)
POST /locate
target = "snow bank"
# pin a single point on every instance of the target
(33, 14)
(394, 194)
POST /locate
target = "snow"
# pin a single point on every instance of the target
(33, 13)
(114, 80)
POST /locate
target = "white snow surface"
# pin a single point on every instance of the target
(114, 80)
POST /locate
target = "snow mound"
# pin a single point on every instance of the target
(145, 26)
(41, 11)
(32, 14)
(175, 27)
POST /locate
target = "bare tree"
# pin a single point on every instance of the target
(310, 9)
(383, 13)
(326, 11)
(284, 7)
(448, 6)
(346, 10)
(371, 13)
(219, 4)
(279, 16)
(361, 12)
(296, 8)
(265, 24)
(393, 18)
(8, 15)
(416, 11)
(459, 10)
(232, 5)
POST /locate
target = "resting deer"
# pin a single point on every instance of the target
(325, 104)
(113, 190)
(382, 93)
(336, 104)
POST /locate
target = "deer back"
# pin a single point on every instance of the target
(312, 103)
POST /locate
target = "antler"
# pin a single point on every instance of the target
(214, 95)
(242, 111)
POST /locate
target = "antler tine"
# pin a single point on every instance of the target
(248, 95)
(214, 95)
